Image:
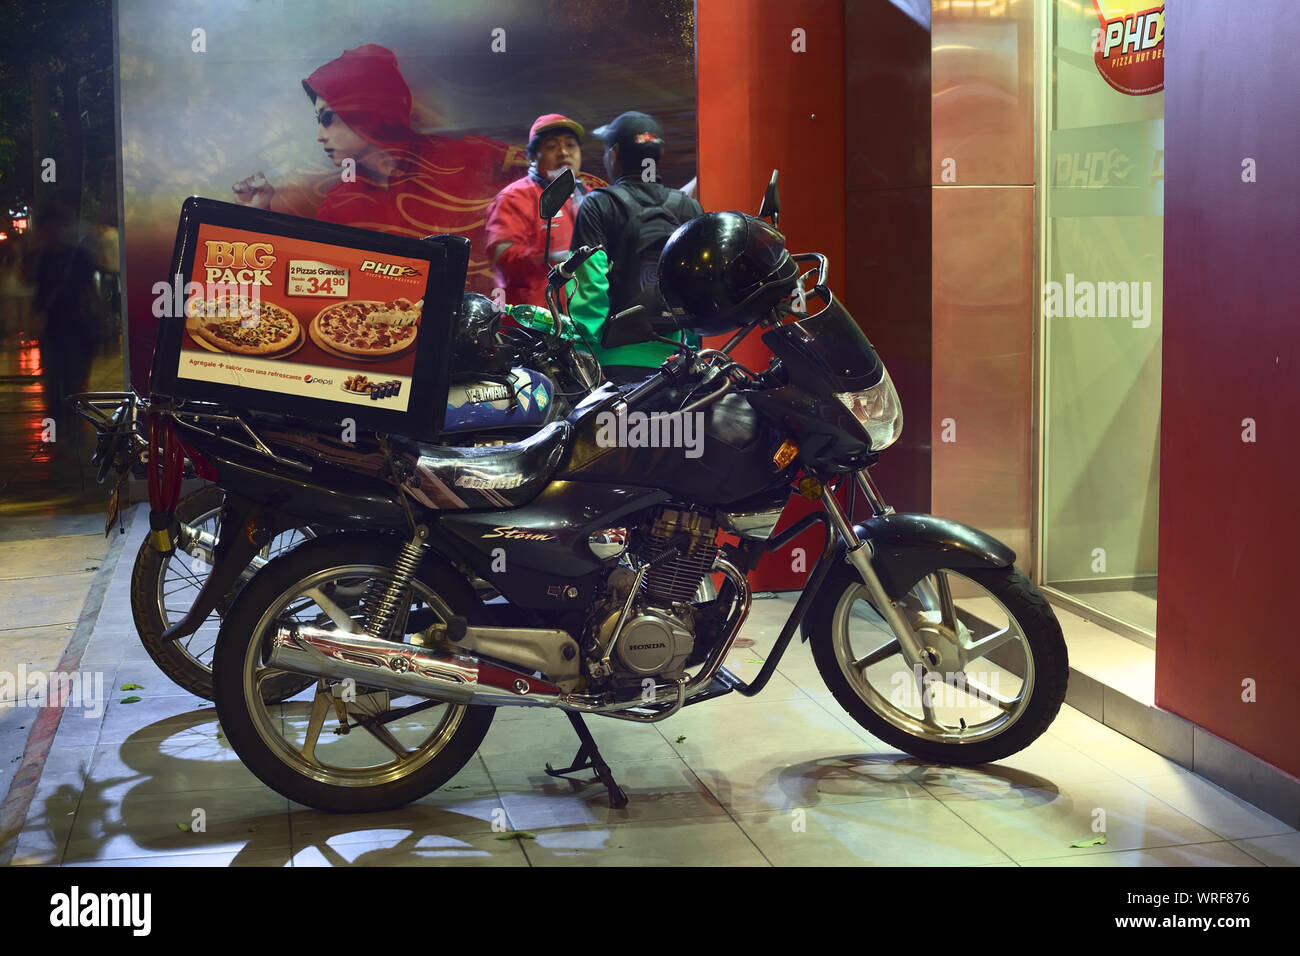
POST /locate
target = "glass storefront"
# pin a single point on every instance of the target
(1103, 170)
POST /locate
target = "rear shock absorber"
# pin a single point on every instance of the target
(387, 604)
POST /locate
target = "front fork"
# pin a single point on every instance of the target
(859, 555)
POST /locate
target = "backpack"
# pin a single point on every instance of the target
(634, 267)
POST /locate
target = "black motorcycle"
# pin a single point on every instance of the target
(497, 366)
(597, 532)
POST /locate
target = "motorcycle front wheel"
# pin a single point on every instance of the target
(163, 586)
(995, 672)
(396, 748)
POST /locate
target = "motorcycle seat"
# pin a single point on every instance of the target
(452, 477)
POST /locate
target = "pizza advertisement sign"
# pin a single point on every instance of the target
(302, 317)
(282, 314)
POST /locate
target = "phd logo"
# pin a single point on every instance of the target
(391, 269)
(1130, 50)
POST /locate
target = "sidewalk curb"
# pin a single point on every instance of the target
(13, 812)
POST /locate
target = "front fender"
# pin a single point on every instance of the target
(907, 547)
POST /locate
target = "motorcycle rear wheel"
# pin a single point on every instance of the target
(382, 762)
(999, 634)
(164, 586)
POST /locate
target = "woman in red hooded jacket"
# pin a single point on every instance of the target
(393, 179)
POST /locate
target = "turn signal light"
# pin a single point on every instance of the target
(785, 454)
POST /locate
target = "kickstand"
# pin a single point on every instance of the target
(588, 758)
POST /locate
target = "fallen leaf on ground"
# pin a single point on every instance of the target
(132, 687)
(518, 835)
(130, 700)
(1095, 841)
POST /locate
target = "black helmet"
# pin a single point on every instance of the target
(722, 270)
(475, 345)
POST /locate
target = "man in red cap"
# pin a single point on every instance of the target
(399, 181)
(516, 235)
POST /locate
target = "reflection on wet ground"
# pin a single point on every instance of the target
(39, 478)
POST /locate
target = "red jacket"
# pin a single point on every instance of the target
(513, 218)
(440, 185)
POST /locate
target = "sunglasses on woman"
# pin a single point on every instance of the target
(325, 117)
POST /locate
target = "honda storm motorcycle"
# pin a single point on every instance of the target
(510, 381)
(597, 539)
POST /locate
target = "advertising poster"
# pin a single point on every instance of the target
(399, 116)
(304, 318)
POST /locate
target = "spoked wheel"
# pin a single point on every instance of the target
(163, 587)
(993, 679)
(395, 748)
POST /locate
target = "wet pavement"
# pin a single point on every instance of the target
(39, 479)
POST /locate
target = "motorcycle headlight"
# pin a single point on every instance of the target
(878, 410)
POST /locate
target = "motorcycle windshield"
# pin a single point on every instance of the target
(826, 352)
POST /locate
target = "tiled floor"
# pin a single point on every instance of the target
(783, 778)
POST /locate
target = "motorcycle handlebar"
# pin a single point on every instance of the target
(671, 371)
(564, 271)
(650, 387)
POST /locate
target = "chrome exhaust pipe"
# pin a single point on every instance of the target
(404, 668)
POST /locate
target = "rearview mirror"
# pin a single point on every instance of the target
(555, 195)
(771, 205)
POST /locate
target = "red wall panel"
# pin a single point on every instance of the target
(889, 227)
(1229, 517)
(763, 106)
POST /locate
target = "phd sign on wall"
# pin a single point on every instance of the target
(1130, 47)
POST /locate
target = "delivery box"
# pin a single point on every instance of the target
(276, 313)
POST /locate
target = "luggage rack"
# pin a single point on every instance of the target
(190, 418)
(116, 413)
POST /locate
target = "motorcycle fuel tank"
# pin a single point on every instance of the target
(523, 401)
(715, 456)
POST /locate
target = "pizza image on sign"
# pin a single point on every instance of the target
(232, 322)
(367, 329)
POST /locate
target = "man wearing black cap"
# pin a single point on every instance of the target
(632, 219)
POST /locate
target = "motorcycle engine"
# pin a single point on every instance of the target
(653, 643)
(659, 634)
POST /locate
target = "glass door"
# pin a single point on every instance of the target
(1102, 229)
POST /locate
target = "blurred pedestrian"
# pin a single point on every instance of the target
(67, 305)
